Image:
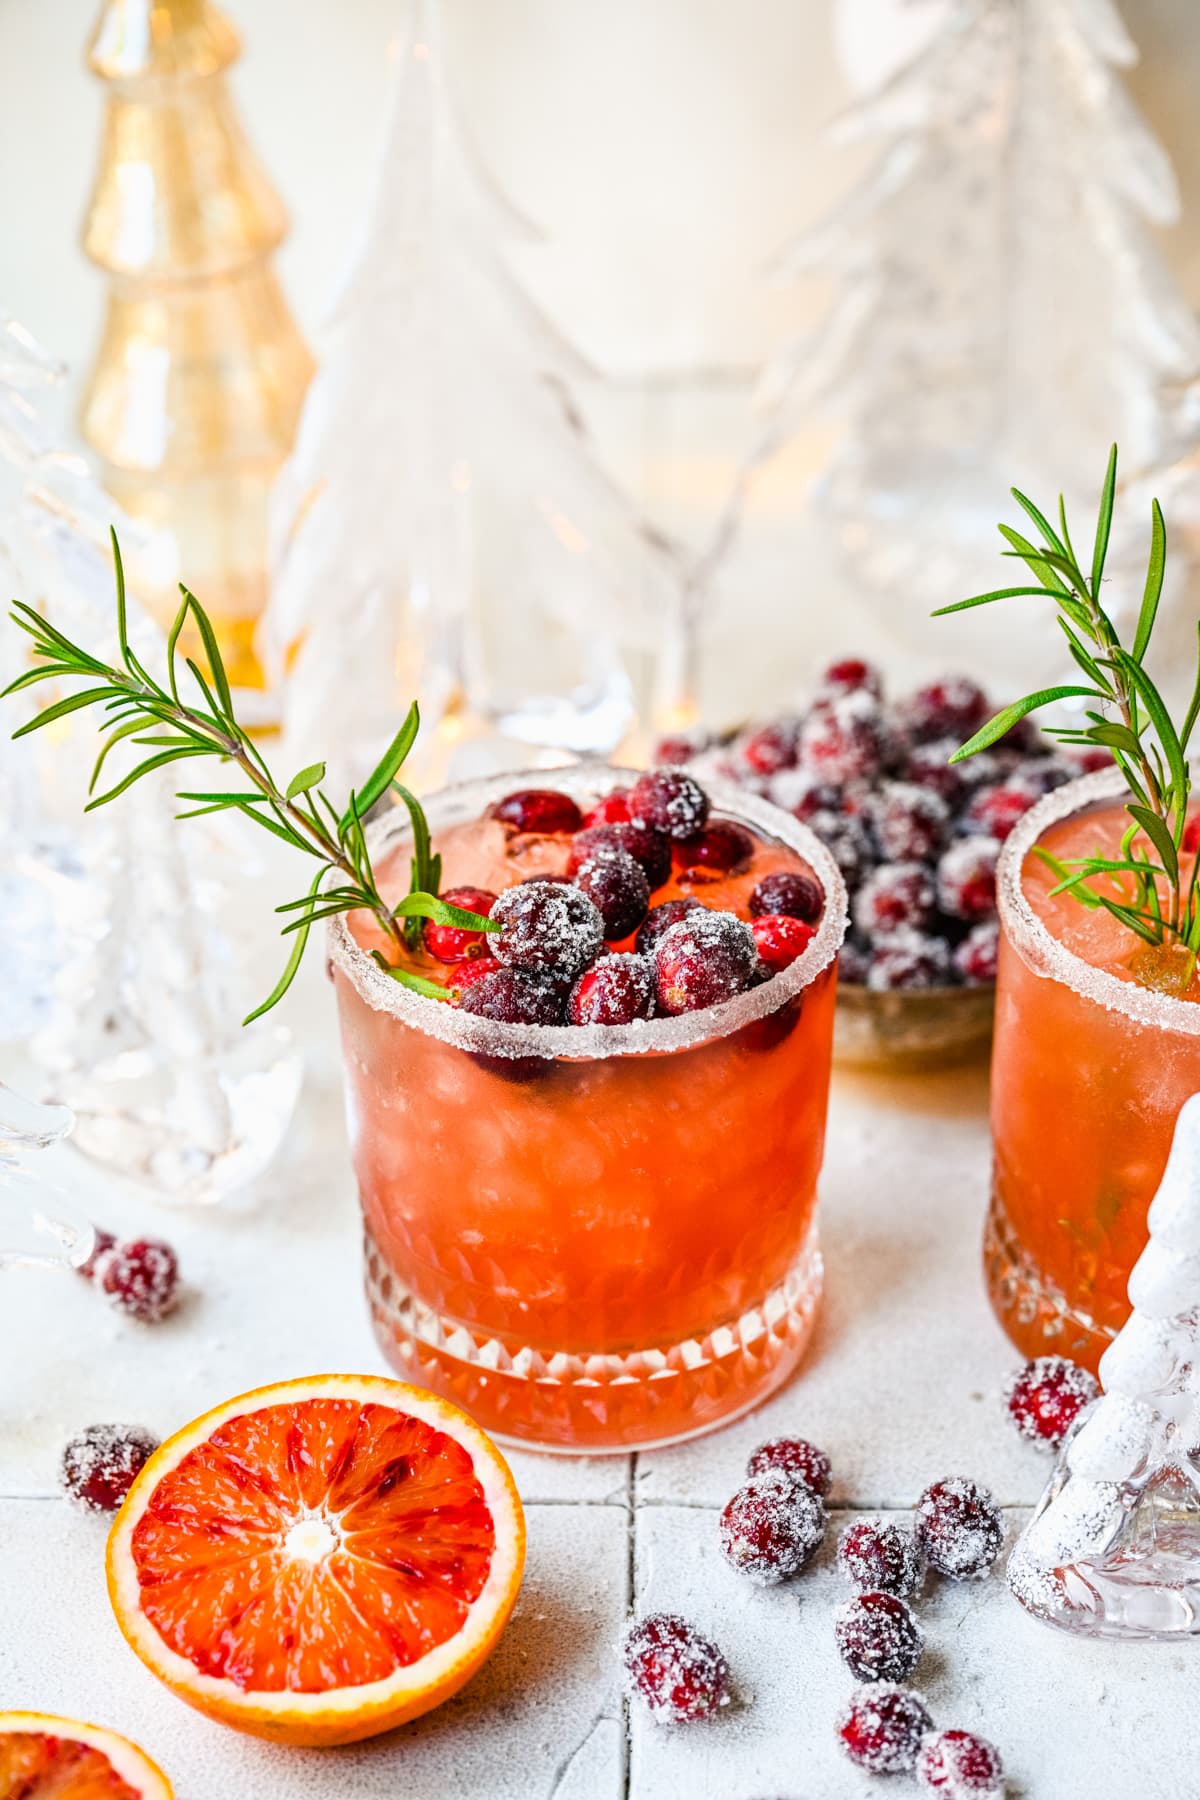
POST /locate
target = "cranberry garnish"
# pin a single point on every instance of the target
(843, 739)
(878, 1638)
(617, 887)
(876, 1555)
(959, 1528)
(909, 959)
(669, 801)
(953, 707)
(616, 991)
(960, 1766)
(794, 1456)
(681, 746)
(910, 822)
(771, 1528)
(538, 809)
(1040, 775)
(804, 796)
(851, 674)
(468, 973)
(514, 997)
(853, 963)
(882, 1728)
(975, 958)
(895, 897)
(140, 1278)
(1046, 1396)
(1191, 835)
(649, 848)
(680, 1674)
(708, 957)
(929, 766)
(99, 1465)
(1089, 759)
(847, 840)
(995, 810)
(103, 1242)
(966, 879)
(613, 809)
(659, 920)
(780, 940)
(787, 891)
(722, 848)
(547, 927)
(772, 747)
(452, 943)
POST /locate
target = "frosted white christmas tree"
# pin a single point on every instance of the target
(1113, 1549)
(443, 527)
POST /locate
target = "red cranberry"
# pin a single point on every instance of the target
(722, 848)
(771, 747)
(99, 1465)
(853, 963)
(1191, 835)
(796, 1457)
(681, 746)
(882, 1727)
(959, 1528)
(975, 958)
(708, 957)
(613, 809)
(851, 674)
(140, 1278)
(877, 1555)
(659, 920)
(995, 810)
(546, 927)
(649, 848)
(680, 1674)
(804, 796)
(878, 1638)
(966, 879)
(896, 897)
(103, 1242)
(771, 1528)
(843, 739)
(780, 940)
(468, 973)
(514, 997)
(616, 991)
(1088, 759)
(960, 1766)
(953, 707)
(1041, 775)
(787, 891)
(929, 766)
(617, 887)
(847, 840)
(1046, 1396)
(669, 801)
(910, 822)
(451, 943)
(909, 959)
(542, 810)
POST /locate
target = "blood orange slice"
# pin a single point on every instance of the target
(45, 1758)
(321, 1560)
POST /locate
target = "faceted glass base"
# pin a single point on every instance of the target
(1034, 1313)
(572, 1401)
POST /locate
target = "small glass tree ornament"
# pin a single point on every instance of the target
(1113, 1549)
(37, 1230)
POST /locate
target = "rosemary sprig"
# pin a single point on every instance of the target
(143, 712)
(1128, 718)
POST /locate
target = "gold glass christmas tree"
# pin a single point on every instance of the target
(197, 384)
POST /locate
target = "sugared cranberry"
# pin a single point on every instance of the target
(722, 848)
(848, 841)
(878, 1638)
(708, 957)
(617, 887)
(547, 928)
(953, 707)
(771, 1528)
(853, 961)
(1191, 835)
(780, 940)
(796, 1457)
(613, 809)
(959, 1528)
(960, 1766)
(851, 674)
(615, 991)
(877, 1555)
(844, 739)
(1041, 775)
(103, 1241)
(995, 810)
(140, 1278)
(680, 747)
(897, 897)
(670, 801)
(771, 747)
(659, 920)
(804, 796)
(452, 943)
(649, 848)
(514, 997)
(680, 1674)
(1046, 1396)
(468, 973)
(929, 766)
(538, 809)
(882, 1727)
(975, 958)
(1088, 759)
(909, 959)
(99, 1465)
(966, 879)
(910, 822)
(787, 891)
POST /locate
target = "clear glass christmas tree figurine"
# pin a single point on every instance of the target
(1113, 1549)
(36, 1229)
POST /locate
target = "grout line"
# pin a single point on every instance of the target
(631, 1501)
(627, 1502)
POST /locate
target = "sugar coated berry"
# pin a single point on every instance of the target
(615, 991)
(514, 997)
(895, 897)
(805, 795)
(538, 809)
(618, 889)
(853, 962)
(771, 748)
(780, 940)
(140, 1278)
(877, 1637)
(882, 1727)
(843, 738)
(468, 973)
(929, 766)
(959, 1528)
(546, 928)
(910, 822)
(953, 707)
(705, 959)
(960, 1766)
(670, 801)
(976, 957)
(994, 811)
(680, 1674)
(847, 840)
(771, 1528)
(722, 848)
(787, 891)
(681, 746)
(909, 959)
(613, 809)
(455, 944)
(1045, 1398)
(1040, 775)
(878, 1555)
(793, 1456)
(648, 848)
(659, 920)
(99, 1465)
(851, 674)
(966, 879)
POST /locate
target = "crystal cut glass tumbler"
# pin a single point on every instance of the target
(591, 1238)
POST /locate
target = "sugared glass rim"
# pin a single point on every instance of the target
(1045, 954)
(466, 800)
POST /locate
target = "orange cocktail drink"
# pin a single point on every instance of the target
(599, 1236)
(1089, 1070)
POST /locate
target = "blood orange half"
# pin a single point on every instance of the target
(46, 1758)
(318, 1561)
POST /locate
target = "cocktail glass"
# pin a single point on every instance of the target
(592, 1238)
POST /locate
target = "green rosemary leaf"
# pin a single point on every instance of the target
(428, 906)
(146, 768)
(1085, 661)
(314, 917)
(43, 672)
(1154, 583)
(307, 778)
(986, 599)
(1104, 523)
(1065, 533)
(1157, 830)
(208, 638)
(173, 635)
(115, 736)
(240, 798)
(1129, 917)
(383, 774)
(60, 709)
(1160, 718)
(122, 621)
(1053, 541)
(418, 983)
(1114, 736)
(293, 963)
(352, 896)
(1066, 877)
(1004, 721)
(1036, 560)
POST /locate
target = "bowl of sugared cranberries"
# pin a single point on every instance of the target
(916, 838)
